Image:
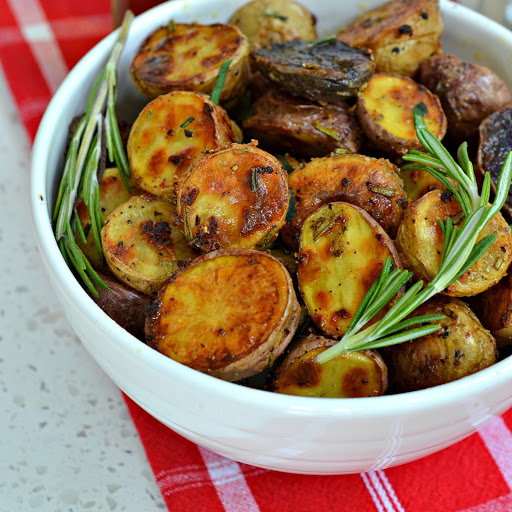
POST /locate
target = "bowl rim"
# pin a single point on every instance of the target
(485, 380)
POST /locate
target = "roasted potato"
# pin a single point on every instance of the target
(265, 22)
(349, 375)
(461, 347)
(170, 134)
(188, 57)
(420, 243)
(401, 34)
(342, 252)
(206, 319)
(284, 123)
(329, 71)
(385, 108)
(495, 142)
(234, 197)
(370, 183)
(418, 182)
(468, 93)
(141, 243)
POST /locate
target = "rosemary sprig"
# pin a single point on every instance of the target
(82, 166)
(459, 253)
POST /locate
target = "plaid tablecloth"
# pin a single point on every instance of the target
(40, 40)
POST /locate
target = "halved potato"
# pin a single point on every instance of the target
(461, 347)
(385, 110)
(418, 182)
(188, 57)
(401, 34)
(420, 243)
(230, 313)
(342, 253)
(370, 183)
(141, 243)
(266, 22)
(349, 375)
(234, 197)
(170, 134)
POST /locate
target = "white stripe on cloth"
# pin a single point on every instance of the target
(371, 490)
(390, 491)
(498, 440)
(229, 481)
(38, 34)
(501, 504)
(381, 491)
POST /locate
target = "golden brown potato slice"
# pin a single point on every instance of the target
(417, 183)
(468, 93)
(283, 123)
(370, 183)
(188, 57)
(141, 243)
(234, 197)
(385, 113)
(170, 134)
(342, 252)
(264, 22)
(420, 243)
(113, 193)
(349, 375)
(230, 313)
(461, 347)
(401, 34)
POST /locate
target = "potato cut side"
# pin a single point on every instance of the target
(370, 183)
(349, 375)
(418, 182)
(113, 193)
(170, 134)
(141, 243)
(385, 110)
(230, 313)
(460, 348)
(188, 57)
(234, 197)
(401, 34)
(420, 243)
(342, 252)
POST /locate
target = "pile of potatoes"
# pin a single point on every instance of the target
(258, 219)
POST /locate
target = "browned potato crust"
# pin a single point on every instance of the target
(170, 134)
(385, 113)
(266, 22)
(234, 197)
(283, 123)
(401, 34)
(420, 243)
(349, 375)
(370, 183)
(468, 93)
(461, 347)
(188, 57)
(230, 313)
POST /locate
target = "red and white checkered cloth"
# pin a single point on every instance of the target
(40, 40)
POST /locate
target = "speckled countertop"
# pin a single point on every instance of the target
(67, 442)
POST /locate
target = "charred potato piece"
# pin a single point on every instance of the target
(283, 123)
(170, 134)
(420, 243)
(401, 34)
(188, 57)
(265, 22)
(342, 252)
(329, 71)
(234, 197)
(141, 243)
(495, 143)
(370, 183)
(418, 182)
(385, 110)
(461, 347)
(206, 319)
(468, 93)
(349, 375)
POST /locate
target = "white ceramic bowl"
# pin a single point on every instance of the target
(296, 434)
